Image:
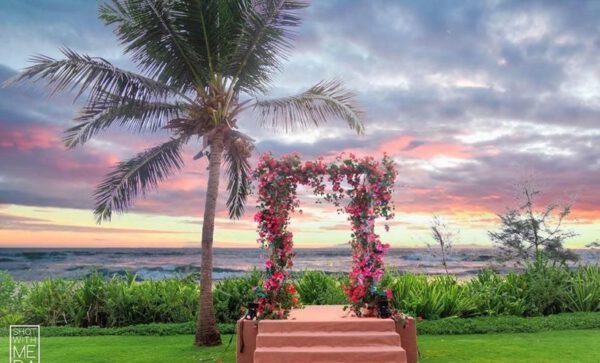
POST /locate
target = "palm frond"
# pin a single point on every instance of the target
(210, 27)
(316, 106)
(143, 172)
(238, 149)
(154, 33)
(264, 40)
(136, 115)
(90, 74)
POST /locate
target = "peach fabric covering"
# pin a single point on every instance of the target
(324, 334)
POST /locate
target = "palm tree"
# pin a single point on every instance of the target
(197, 59)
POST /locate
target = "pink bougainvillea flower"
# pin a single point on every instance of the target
(368, 197)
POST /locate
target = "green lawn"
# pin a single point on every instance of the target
(570, 346)
(562, 346)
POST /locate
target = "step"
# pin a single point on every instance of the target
(333, 339)
(350, 325)
(351, 354)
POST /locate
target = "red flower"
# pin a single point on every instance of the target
(291, 289)
(388, 293)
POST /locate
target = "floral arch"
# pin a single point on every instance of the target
(367, 186)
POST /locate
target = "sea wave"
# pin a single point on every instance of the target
(29, 264)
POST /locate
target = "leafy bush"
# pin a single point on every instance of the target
(91, 299)
(318, 288)
(545, 288)
(497, 295)
(10, 293)
(50, 302)
(162, 301)
(583, 291)
(231, 295)
(97, 301)
(541, 289)
(431, 298)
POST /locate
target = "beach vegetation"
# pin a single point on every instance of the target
(121, 301)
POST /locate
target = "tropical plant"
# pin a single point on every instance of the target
(545, 287)
(497, 295)
(542, 289)
(50, 302)
(232, 295)
(201, 65)
(583, 292)
(434, 298)
(318, 288)
(11, 294)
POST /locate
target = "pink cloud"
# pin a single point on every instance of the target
(28, 137)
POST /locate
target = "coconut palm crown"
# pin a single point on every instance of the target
(196, 60)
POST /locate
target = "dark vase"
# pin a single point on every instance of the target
(251, 312)
(383, 307)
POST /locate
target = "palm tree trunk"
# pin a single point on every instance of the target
(207, 332)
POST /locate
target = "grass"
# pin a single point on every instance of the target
(127, 349)
(571, 346)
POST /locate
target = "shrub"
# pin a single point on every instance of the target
(318, 288)
(11, 293)
(231, 295)
(50, 302)
(497, 295)
(583, 291)
(545, 288)
(91, 298)
(541, 289)
(163, 301)
(97, 301)
(434, 298)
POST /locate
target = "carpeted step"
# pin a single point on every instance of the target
(325, 354)
(350, 325)
(331, 339)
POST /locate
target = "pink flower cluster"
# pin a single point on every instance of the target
(368, 184)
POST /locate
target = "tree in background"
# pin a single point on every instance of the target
(444, 239)
(529, 232)
(200, 65)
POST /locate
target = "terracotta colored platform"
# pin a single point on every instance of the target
(321, 334)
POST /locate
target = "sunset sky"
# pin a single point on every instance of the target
(468, 97)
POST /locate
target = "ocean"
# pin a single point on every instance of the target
(30, 264)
